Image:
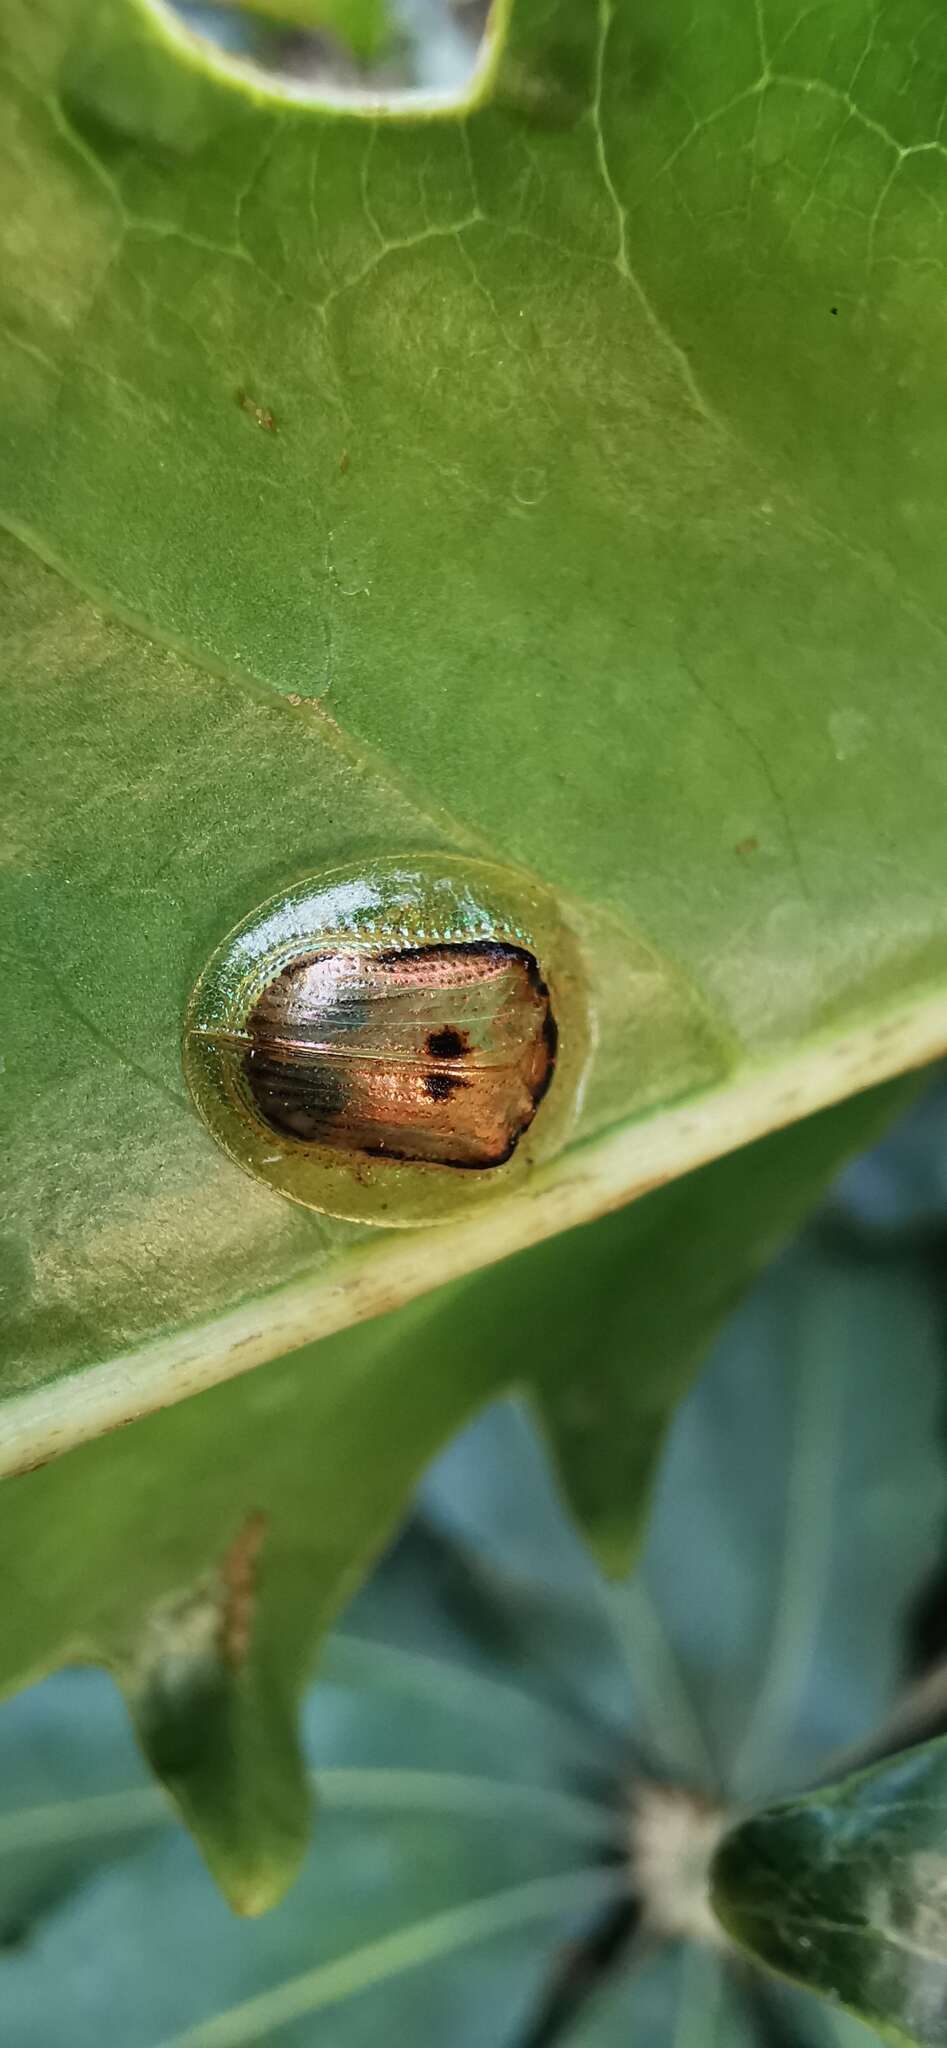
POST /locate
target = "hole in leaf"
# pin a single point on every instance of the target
(356, 50)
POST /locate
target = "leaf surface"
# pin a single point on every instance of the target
(210, 1545)
(488, 479)
(488, 1649)
(414, 1901)
(491, 478)
(845, 1891)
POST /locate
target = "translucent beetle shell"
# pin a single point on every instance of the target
(391, 1043)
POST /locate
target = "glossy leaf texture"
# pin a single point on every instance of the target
(210, 1545)
(846, 1891)
(556, 477)
(489, 1700)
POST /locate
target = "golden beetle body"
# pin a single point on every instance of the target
(370, 1038)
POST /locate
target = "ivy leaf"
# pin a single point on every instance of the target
(846, 1892)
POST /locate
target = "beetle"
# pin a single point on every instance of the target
(436, 1053)
(372, 1036)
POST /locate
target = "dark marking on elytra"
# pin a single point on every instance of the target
(448, 1044)
(297, 1099)
(485, 949)
(319, 1076)
(440, 1087)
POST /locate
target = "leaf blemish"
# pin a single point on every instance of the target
(261, 413)
(238, 1590)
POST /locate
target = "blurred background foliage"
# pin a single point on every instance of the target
(381, 45)
(491, 1705)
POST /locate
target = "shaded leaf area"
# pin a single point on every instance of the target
(684, 1996)
(494, 479)
(897, 1191)
(415, 1903)
(846, 1891)
(789, 1583)
(694, 1996)
(210, 1545)
(480, 1719)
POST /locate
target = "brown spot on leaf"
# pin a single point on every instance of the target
(238, 1589)
(261, 413)
(744, 846)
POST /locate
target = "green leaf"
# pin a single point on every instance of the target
(209, 1546)
(673, 2001)
(811, 1447)
(692, 1250)
(414, 1901)
(491, 477)
(475, 1727)
(845, 1891)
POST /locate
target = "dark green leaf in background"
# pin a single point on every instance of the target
(846, 1891)
(415, 1883)
(685, 1994)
